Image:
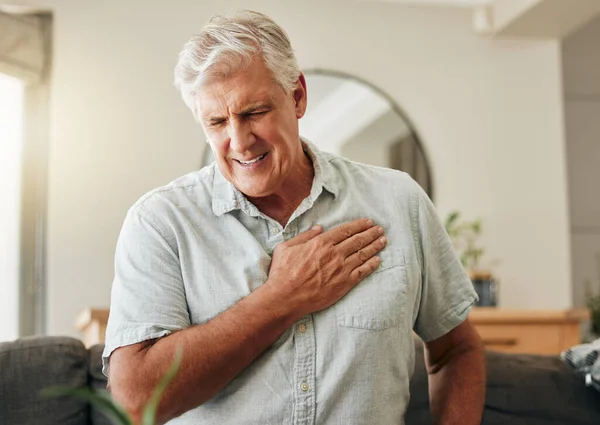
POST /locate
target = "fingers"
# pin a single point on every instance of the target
(365, 270)
(305, 236)
(365, 254)
(359, 241)
(347, 230)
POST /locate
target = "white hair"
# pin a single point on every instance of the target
(232, 42)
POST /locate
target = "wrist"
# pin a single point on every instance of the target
(277, 297)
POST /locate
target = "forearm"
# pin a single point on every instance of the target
(457, 387)
(213, 354)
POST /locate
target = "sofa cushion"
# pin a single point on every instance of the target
(29, 365)
(537, 390)
(521, 390)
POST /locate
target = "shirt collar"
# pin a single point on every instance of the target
(226, 197)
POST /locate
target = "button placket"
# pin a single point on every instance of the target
(304, 369)
(274, 234)
(290, 231)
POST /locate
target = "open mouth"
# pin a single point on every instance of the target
(253, 161)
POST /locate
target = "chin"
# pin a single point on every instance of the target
(256, 188)
(254, 192)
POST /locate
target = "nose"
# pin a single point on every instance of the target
(241, 137)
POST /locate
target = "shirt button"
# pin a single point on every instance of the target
(304, 386)
(302, 328)
(274, 230)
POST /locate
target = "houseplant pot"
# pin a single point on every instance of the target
(465, 236)
(486, 287)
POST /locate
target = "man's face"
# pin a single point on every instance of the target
(251, 124)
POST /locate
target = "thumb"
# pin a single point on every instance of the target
(305, 236)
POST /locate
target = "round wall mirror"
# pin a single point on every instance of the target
(351, 118)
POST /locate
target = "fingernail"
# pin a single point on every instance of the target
(370, 222)
(315, 227)
(383, 240)
(380, 230)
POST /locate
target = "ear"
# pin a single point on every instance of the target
(300, 96)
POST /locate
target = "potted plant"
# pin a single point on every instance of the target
(593, 302)
(104, 402)
(465, 235)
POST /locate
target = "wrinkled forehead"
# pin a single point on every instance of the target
(253, 70)
(221, 91)
(223, 70)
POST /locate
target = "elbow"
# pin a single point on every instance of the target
(129, 383)
(133, 393)
(460, 346)
(130, 398)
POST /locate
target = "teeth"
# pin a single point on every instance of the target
(253, 161)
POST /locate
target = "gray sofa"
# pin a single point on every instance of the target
(521, 390)
(29, 365)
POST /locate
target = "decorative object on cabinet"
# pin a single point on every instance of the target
(465, 237)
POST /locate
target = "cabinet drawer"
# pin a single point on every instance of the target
(531, 338)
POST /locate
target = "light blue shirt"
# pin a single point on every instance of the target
(190, 250)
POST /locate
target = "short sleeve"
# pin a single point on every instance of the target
(446, 293)
(148, 298)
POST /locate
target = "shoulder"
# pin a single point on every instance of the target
(194, 188)
(379, 181)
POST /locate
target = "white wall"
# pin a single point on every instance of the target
(581, 63)
(489, 113)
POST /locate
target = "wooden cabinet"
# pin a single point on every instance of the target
(91, 322)
(516, 331)
(528, 331)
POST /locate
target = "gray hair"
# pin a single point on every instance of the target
(233, 42)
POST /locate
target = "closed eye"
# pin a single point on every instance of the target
(257, 113)
(216, 123)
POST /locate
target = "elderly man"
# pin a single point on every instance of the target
(292, 278)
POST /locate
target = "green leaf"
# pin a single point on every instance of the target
(452, 217)
(464, 259)
(450, 221)
(149, 415)
(101, 400)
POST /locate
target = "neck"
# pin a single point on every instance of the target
(282, 204)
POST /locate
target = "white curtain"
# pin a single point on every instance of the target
(22, 47)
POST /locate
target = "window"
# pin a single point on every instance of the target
(24, 132)
(11, 147)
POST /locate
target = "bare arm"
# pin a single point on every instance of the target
(456, 367)
(214, 354)
(308, 273)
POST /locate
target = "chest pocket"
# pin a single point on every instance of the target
(377, 302)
